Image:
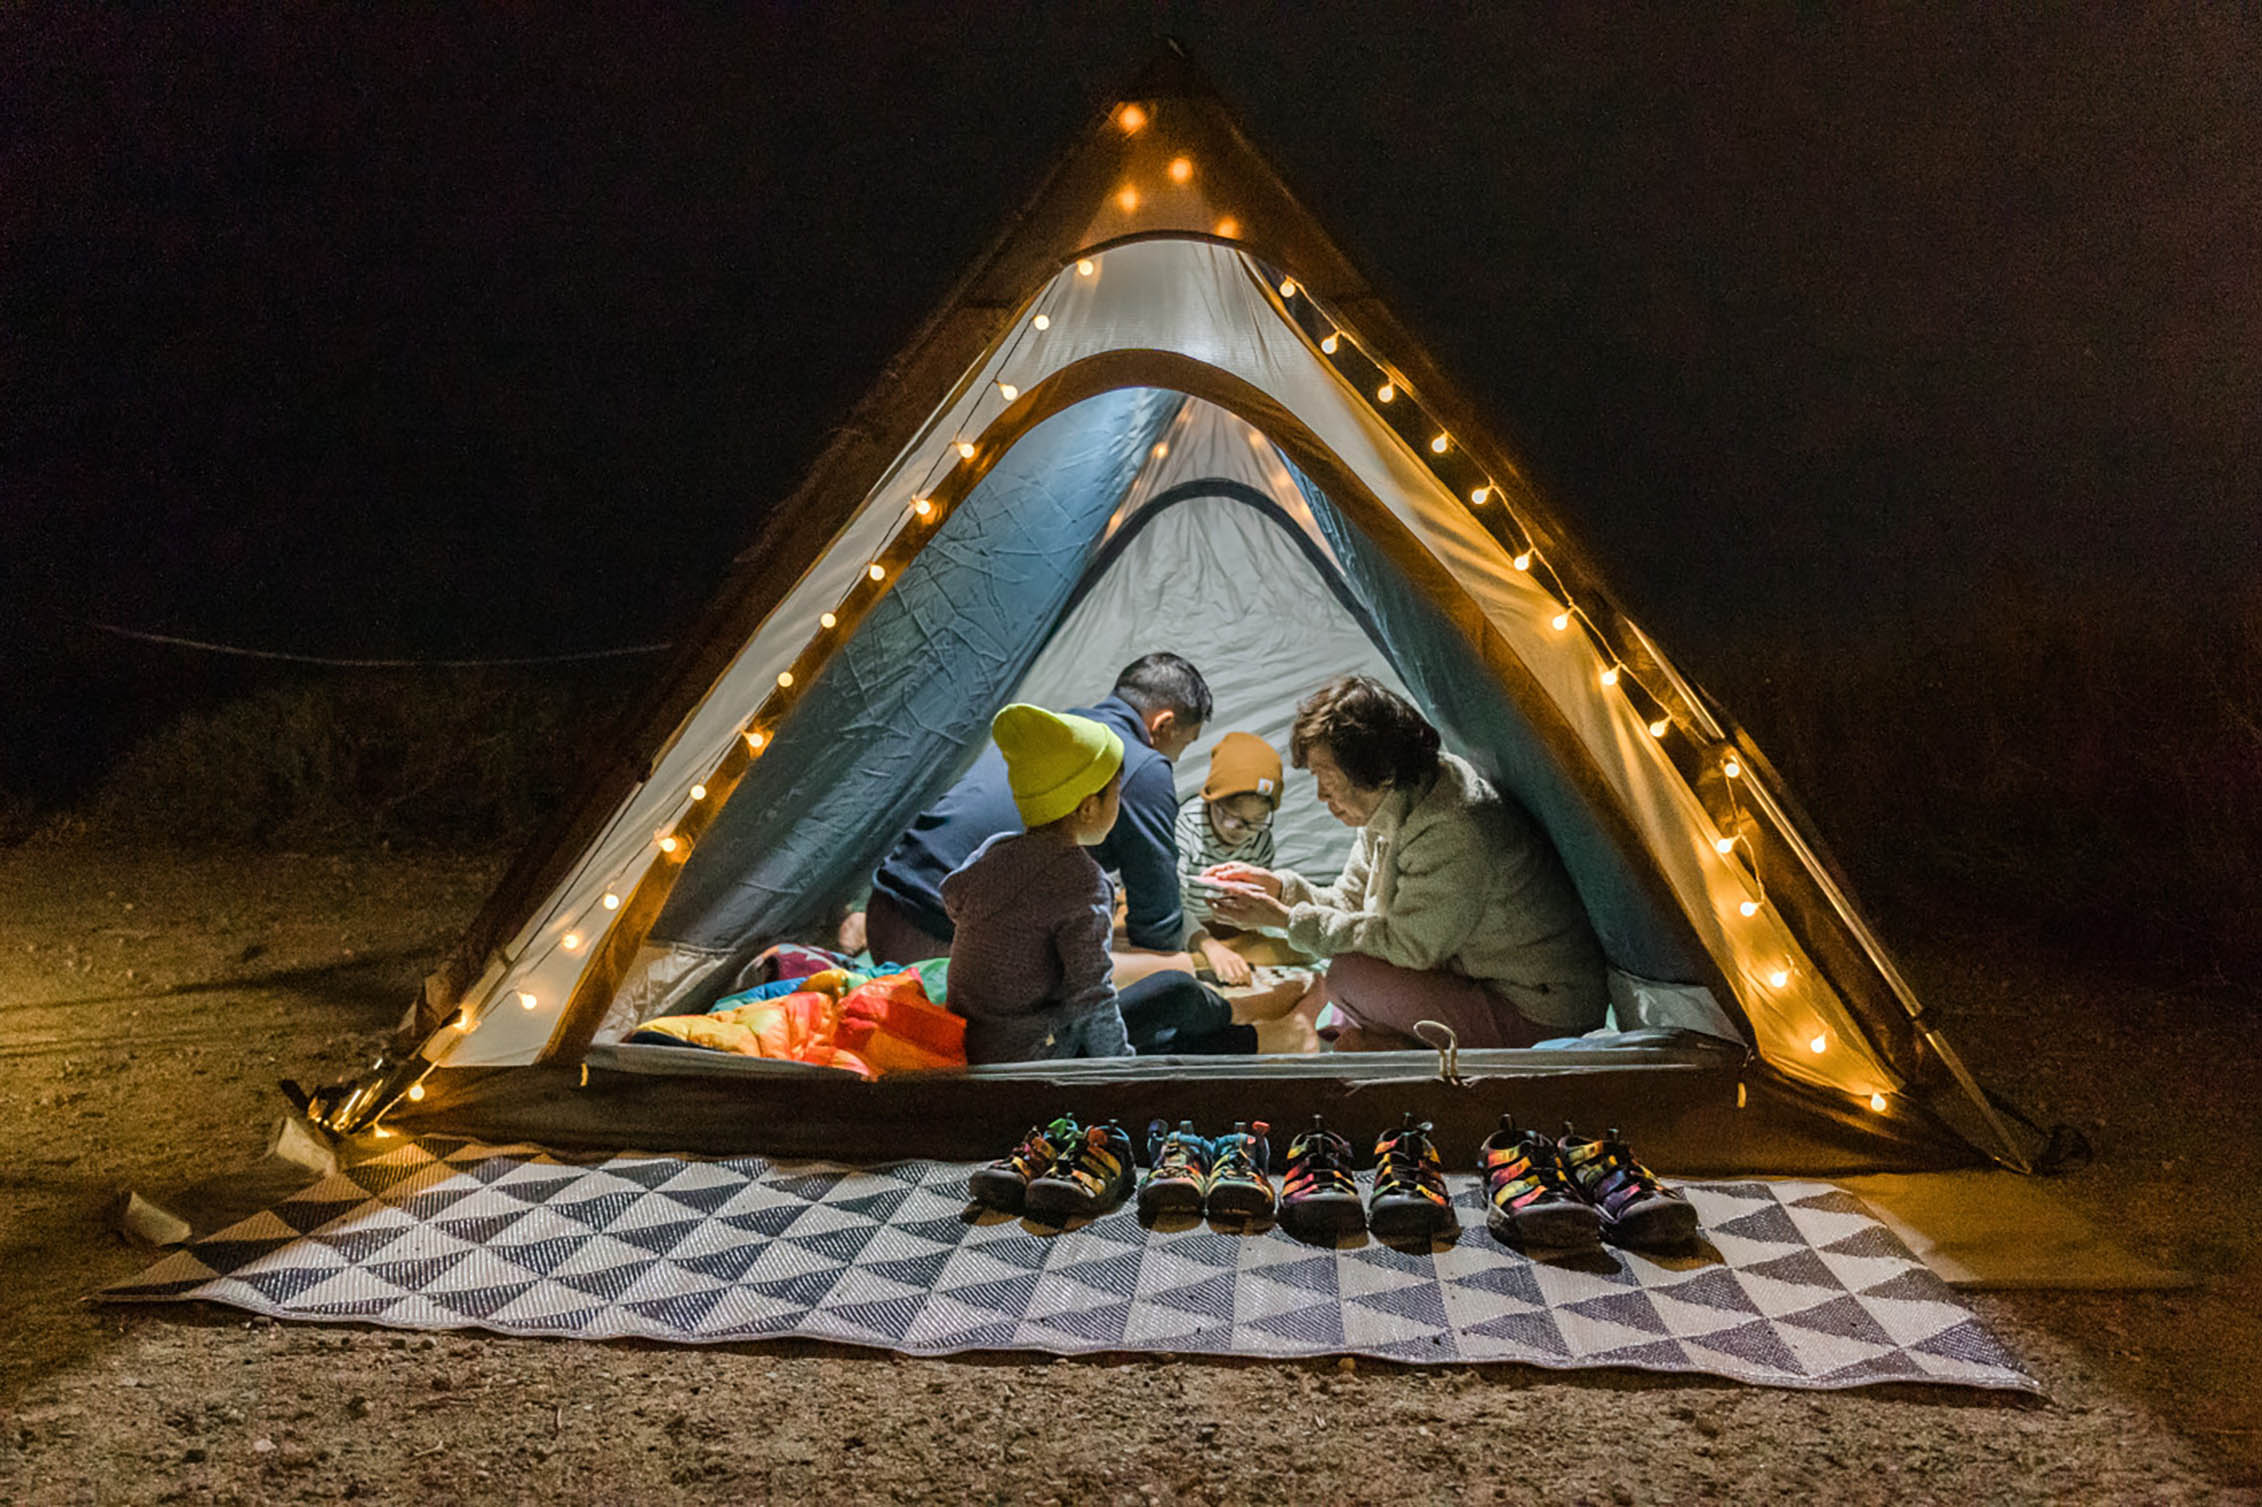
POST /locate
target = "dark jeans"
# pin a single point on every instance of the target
(1177, 1014)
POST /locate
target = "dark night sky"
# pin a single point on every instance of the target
(492, 335)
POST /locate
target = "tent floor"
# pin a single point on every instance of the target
(1690, 1110)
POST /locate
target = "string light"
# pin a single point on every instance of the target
(1132, 119)
(1331, 343)
(1749, 907)
(698, 792)
(1440, 444)
(1288, 287)
(611, 901)
(571, 941)
(1523, 561)
(1008, 391)
(669, 844)
(824, 620)
(1778, 979)
(755, 739)
(1161, 449)
(1610, 676)
(1042, 321)
(1386, 392)
(1731, 768)
(1181, 169)
(1723, 845)
(876, 571)
(1561, 620)
(1819, 1045)
(415, 1092)
(527, 1001)
(1228, 229)
(464, 1022)
(965, 449)
(1477, 498)
(1877, 1102)
(1127, 198)
(1084, 266)
(922, 507)
(785, 679)
(1657, 728)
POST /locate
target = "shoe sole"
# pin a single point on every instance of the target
(1557, 1228)
(1411, 1218)
(1340, 1215)
(1240, 1201)
(1660, 1222)
(1066, 1200)
(1170, 1198)
(997, 1190)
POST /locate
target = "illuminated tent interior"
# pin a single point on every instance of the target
(1166, 413)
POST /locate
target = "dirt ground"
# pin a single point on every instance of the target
(149, 1002)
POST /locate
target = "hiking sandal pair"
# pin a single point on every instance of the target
(1223, 1176)
(1576, 1192)
(1059, 1172)
(1319, 1195)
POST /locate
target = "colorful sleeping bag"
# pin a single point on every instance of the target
(861, 1024)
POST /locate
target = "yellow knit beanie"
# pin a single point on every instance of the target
(1053, 761)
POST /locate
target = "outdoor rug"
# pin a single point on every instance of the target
(1793, 1284)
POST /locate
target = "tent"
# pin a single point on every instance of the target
(1165, 411)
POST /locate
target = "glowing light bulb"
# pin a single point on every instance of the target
(1008, 391)
(965, 449)
(1288, 287)
(755, 740)
(611, 901)
(1440, 444)
(1042, 321)
(1331, 343)
(785, 679)
(1386, 392)
(1523, 561)
(1749, 907)
(1227, 229)
(1877, 1102)
(827, 620)
(527, 1001)
(1181, 169)
(1161, 449)
(1084, 266)
(1723, 845)
(1561, 620)
(1778, 978)
(876, 571)
(922, 506)
(1477, 498)
(1127, 198)
(1657, 728)
(1731, 769)
(1610, 676)
(698, 792)
(464, 1022)
(669, 844)
(1132, 119)
(415, 1092)
(571, 941)
(1821, 1043)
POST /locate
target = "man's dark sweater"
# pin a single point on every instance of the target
(1142, 848)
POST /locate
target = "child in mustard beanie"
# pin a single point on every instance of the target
(1229, 821)
(1029, 962)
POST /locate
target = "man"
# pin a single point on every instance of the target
(1157, 707)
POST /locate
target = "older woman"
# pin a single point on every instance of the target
(1453, 907)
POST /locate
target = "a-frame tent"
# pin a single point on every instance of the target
(1165, 411)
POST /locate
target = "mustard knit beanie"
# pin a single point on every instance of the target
(1243, 764)
(1053, 761)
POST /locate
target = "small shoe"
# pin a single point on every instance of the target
(1004, 1183)
(1530, 1198)
(1409, 1199)
(1089, 1177)
(1178, 1170)
(1637, 1210)
(1238, 1187)
(1319, 1195)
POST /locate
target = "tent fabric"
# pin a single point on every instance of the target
(1211, 304)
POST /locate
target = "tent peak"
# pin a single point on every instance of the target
(1171, 73)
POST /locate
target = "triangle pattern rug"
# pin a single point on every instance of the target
(1793, 1284)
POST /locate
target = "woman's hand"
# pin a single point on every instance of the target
(1231, 968)
(1245, 875)
(1249, 907)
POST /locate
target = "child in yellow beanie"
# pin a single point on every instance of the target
(1029, 962)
